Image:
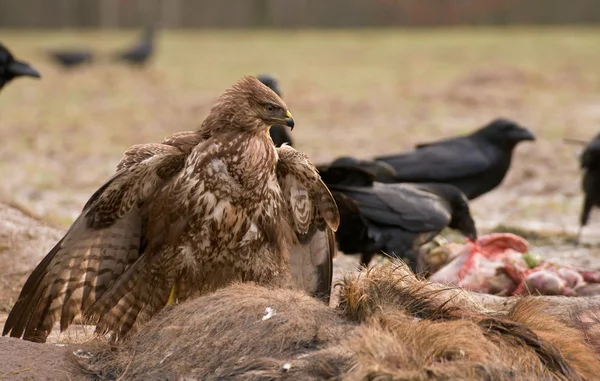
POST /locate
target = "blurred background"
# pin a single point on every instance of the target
(292, 13)
(362, 77)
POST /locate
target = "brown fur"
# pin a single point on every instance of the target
(425, 351)
(390, 326)
(223, 335)
(396, 287)
(522, 343)
(571, 343)
(588, 322)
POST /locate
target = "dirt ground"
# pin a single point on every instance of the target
(361, 93)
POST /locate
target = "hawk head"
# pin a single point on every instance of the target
(248, 106)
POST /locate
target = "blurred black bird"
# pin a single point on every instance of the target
(141, 52)
(348, 170)
(590, 163)
(475, 163)
(279, 134)
(395, 219)
(70, 58)
(11, 68)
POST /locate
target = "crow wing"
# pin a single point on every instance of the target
(448, 160)
(590, 157)
(398, 205)
(314, 218)
(102, 244)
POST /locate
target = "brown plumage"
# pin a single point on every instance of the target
(194, 213)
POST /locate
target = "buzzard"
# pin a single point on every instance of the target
(200, 210)
(279, 133)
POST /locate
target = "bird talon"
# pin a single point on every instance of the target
(172, 296)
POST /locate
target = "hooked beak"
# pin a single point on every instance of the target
(289, 120)
(22, 69)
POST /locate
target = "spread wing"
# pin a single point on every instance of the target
(442, 161)
(144, 288)
(314, 217)
(103, 243)
(185, 141)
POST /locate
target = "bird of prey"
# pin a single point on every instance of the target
(196, 212)
(70, 58)
(279, 133)
(11, 68)
(475, 163)
(590, 163)
(395, 219)
(140, 53)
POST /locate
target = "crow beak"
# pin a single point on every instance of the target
(289, 120)
(22, 69)
(524, 134)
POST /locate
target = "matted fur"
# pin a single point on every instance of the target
(225, 335)
(390, 326)
(395, 286)
(444, 333)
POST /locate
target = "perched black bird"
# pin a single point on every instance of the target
(395, 219)
(10, 68)
(590, 163)
(279, 134)
(141, 52)
(71, 58)
(475, 163)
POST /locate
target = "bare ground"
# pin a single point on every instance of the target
(360, 93)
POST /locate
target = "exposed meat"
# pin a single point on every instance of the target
(501, 264)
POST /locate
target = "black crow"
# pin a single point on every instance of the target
(590, 163)
(348, 170)
(10, 68)
(395, 219)
(475, 163)
(279, 134)
(70, 58)
(141, 52)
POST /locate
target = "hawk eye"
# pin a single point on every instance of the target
(269, 107)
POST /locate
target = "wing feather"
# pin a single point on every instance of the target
(102, 244)
(143, 289)
(314, 217)
(398, 205)
(450, 160)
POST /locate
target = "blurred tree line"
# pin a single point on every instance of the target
(292, 13)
